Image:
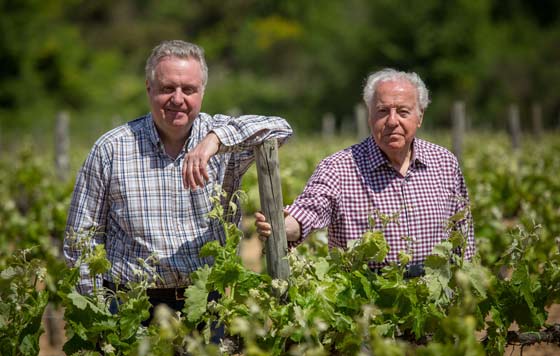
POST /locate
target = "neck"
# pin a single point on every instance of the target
(401, 161)
(173, 149)
(173, 142)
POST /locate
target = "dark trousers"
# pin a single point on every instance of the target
(217, 331)
(412, 270)
(169, 299)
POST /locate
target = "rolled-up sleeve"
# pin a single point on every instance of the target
(245, 132)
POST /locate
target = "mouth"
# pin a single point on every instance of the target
(175, 110)
(174, 113)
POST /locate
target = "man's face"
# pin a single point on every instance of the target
(176, 93)
(394, 116)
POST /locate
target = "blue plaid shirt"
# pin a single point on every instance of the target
(129, 195)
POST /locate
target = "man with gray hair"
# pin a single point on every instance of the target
(144, 191)
(392, 173)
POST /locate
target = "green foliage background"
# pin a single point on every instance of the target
(298, 59)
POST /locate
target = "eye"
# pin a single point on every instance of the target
(189, 90)
(382, 111)
(404, 113)
(167, 90)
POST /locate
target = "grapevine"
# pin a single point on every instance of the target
(332, 303)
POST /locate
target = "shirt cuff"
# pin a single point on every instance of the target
(225, 135)
(304, 219)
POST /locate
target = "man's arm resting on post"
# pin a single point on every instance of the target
(245, 132)
(312, 209)
(231, 134)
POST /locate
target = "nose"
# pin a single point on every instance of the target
(392, 119)
(177, 97)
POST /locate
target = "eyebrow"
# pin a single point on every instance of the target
(398, 106)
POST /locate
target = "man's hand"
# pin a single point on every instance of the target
(195, 173)
(293, 229)
(263, 227)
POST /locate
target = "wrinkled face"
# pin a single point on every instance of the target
(394, 116)
(176, 93)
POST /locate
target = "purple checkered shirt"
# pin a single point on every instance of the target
(129, 192)
(359, 182)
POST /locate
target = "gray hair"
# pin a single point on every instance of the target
(389, 74)
(179, 49)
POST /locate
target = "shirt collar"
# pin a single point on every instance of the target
(151, 131)
(418, 152)
(378, 158)
(153, 135)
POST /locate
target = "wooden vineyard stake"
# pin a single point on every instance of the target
(270, 191)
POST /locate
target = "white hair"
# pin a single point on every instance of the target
(179, 49)
(389, 74)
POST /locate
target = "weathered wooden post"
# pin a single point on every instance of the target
(52, 315)
(62, 146)
(361, 117)
(270, 191)
(458, 117)
(52, 318)
(514, 126)
(328, 126)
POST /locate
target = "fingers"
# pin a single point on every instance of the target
(195, 165)
(195, 173)
(264, 230)
(260, 216)
(195, 168)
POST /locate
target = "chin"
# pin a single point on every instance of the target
(395, 144)
(179, 119)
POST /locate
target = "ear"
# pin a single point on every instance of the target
(148, 87)
(420, 118)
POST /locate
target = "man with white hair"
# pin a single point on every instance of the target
(391, 173)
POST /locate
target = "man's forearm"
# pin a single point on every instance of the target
(244, 132)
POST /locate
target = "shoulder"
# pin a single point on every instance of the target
(344, 158)
(433, 154)
(339, 157)
(205, 122)
(205, 119)
(129, 132)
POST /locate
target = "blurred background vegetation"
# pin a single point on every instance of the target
(297, 59)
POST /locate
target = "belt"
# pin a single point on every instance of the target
(165, 294)
(414, 270)
(411, 271)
